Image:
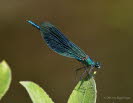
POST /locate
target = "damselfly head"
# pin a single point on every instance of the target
(97, 65)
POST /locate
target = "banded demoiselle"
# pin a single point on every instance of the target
(59, 43)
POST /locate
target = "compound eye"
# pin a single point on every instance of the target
(97, 66)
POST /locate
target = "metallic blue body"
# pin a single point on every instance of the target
(34, 24)
(59, 43)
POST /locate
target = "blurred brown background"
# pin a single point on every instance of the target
(102, 28)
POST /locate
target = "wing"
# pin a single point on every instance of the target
(59, 43)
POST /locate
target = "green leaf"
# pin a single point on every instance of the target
(84, 92)
(5, 78)
(37, 94)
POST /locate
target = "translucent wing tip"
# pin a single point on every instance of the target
(47, 24)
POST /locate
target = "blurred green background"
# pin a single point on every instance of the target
(102, 28)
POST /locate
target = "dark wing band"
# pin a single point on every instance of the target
(59, 43)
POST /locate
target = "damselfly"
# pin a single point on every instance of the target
(56, 40)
